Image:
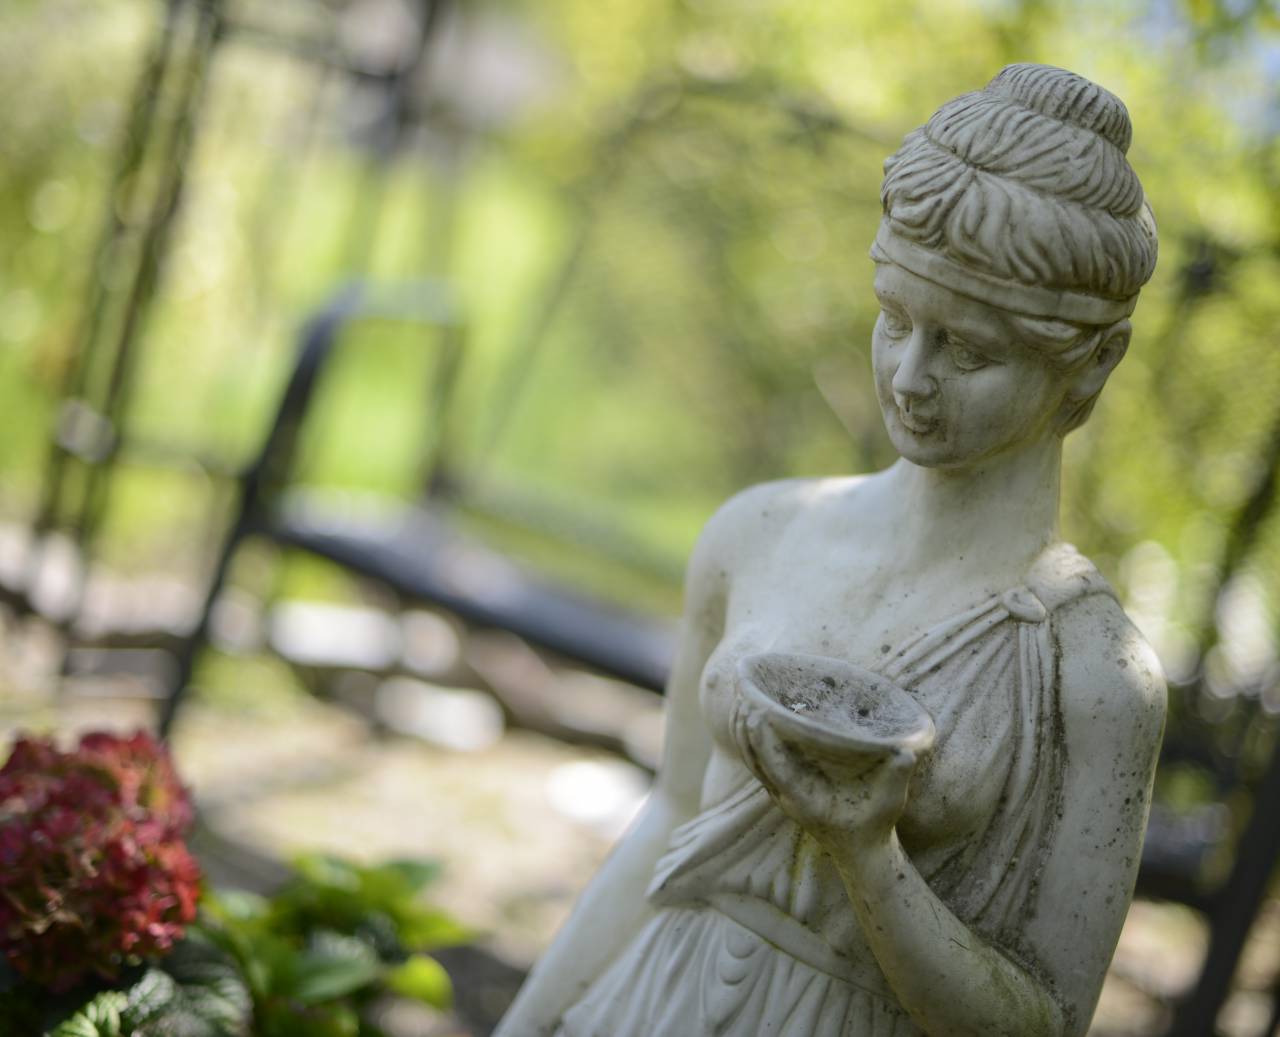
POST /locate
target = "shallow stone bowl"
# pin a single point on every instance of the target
(833, 707)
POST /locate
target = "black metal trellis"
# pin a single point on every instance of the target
(141, 210)
(618, 642)
(100, 364)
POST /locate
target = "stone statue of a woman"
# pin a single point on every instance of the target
(977, 888)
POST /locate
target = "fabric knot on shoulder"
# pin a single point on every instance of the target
(1062, 574)
(1024, 606)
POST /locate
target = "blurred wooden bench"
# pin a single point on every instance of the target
(415, 550)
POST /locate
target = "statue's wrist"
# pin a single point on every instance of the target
(869, 861)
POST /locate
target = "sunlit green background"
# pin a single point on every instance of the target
(716, 165)
(654, 216)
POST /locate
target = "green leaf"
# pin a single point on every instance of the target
(423, 979)
(381, 932)
(197, 992)
(264, 957)
(384, 889)
(425, 928)
(332, 966)
(240, 927)
(305, 905)
(149, 998)
(99, 1018)
(281, 1018)
(324, 870)
(235, 905)
(328, 893)
(417, 874)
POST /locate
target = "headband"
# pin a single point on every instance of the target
(1028, 299)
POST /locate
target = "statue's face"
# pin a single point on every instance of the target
(955, 383)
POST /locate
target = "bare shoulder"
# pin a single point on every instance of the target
(744, 531)
(749, 521)
(1111, 683)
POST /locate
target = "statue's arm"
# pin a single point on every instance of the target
(613, 907)
(950, 979)
(1113, 704)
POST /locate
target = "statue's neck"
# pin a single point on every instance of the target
(1001, 511)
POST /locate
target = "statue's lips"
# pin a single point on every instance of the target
(914, 423)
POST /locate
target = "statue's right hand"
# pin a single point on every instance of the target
(845, 810)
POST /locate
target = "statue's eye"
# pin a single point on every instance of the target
(895, 324)
(963, 355)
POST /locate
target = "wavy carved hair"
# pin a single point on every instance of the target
(1027, 180)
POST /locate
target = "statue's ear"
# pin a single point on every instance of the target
(1089, 380)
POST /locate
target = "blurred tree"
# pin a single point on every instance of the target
(721, 163)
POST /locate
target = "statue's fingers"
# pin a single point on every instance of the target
(888, 790)
(903, 761)
(738, 727)
(744, 728)
(770, 747)
(774, 762)
(760, 769)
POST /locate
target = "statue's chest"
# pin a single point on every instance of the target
(970, 694)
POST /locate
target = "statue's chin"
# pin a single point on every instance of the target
(943, 464)
(945, 457)
(922, 443)
(933, 443)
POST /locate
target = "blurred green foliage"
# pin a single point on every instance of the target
(196, 990)
(317, 953)
(312, 960)
(713, 166)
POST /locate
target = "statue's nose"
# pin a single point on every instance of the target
(912, 381)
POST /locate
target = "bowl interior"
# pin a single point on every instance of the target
(833, 703)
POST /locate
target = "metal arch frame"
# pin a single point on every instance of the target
(161, 132)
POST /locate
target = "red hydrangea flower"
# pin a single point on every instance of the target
(94, 873)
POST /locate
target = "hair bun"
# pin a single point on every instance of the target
(1027, 181)
(1059, 94)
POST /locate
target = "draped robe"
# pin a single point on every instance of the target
(754, 935)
